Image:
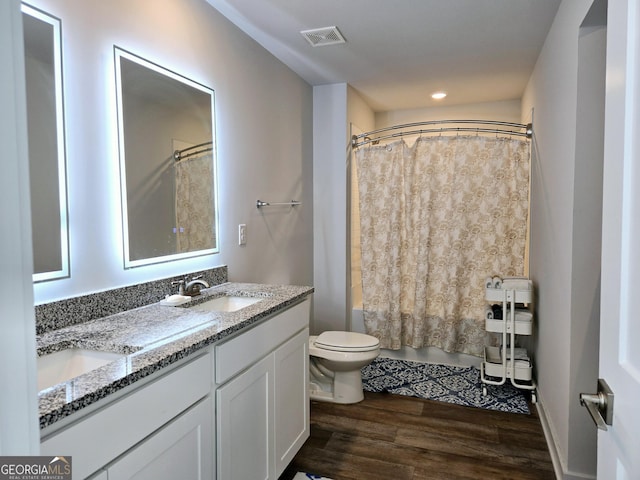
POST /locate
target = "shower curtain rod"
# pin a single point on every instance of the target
(518, 129)
(180, 154)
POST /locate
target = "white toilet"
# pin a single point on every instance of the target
(335, 362)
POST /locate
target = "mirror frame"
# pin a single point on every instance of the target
(64, 272)
(120, 53)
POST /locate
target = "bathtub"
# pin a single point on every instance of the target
(425, 354)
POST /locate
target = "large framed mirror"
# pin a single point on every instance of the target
(47, 162)
(167, 163)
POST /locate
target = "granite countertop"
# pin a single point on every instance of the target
(152, 337)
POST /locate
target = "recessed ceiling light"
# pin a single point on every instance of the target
(438, 95)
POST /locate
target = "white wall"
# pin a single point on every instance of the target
(19, 430)
(330, 207)
(359, 113)
(504, 111)
(335, 108)
(565, 235)
(264, 134)
(587, 243)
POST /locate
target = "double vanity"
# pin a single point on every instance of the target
(216, 387)
(131, 386)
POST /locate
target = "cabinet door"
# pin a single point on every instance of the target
(181, 449)
(244, 417)
(291, 398)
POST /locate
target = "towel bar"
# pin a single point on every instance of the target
(292, 203)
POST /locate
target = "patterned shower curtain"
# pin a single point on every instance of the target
(194, 203)
(437, 218)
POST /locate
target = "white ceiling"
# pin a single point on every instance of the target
(400, 51)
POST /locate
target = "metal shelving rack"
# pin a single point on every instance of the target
(496, 365)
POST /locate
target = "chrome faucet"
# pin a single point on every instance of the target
(193, 287)
(190, 287)
(180, 284)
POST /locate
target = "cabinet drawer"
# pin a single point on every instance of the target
(102, 436)
(240, 352)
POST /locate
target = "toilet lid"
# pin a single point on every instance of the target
(346, 341)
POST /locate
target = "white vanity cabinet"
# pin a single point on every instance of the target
(164, 424)
(237, 411)
(262, 414)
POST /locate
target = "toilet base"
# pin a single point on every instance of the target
(345, 388)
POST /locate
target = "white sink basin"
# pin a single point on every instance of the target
(64, 365)
(226, 304)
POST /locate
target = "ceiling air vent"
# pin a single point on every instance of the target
(319, 37)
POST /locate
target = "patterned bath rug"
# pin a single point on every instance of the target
(308, 476)
(445, 383)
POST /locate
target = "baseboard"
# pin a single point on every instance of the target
(558, 465)
(553, 451)
(578, 476)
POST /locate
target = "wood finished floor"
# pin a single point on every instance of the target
(393, 437)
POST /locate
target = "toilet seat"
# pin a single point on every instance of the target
(346, 341)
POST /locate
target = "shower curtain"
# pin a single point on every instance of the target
(194, 203)
(437, 218)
